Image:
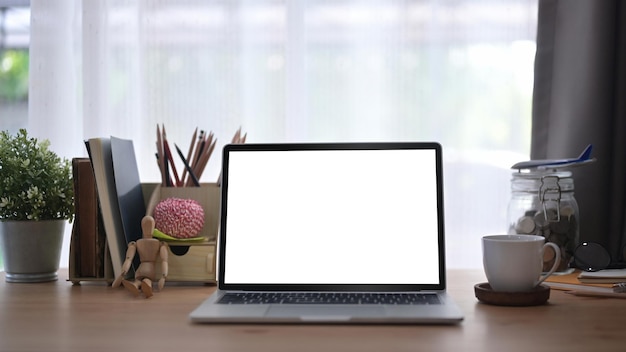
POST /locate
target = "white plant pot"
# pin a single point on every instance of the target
(31, 250)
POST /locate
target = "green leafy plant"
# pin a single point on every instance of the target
(35, 183)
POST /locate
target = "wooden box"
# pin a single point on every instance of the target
(192, 262)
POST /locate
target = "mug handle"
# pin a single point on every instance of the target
(557, 260)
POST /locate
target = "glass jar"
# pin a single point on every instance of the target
(543, 204)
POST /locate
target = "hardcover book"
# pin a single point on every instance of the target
(121, 203)
(128, 189)
(88, 235)
(86, 220)
(100, 154)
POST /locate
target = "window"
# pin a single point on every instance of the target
(14, 35)
(456, 72)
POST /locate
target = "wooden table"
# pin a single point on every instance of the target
(58, 316)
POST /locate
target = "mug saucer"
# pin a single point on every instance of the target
(537, 296)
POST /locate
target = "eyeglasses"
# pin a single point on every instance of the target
(591, 256)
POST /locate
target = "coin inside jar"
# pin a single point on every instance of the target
(548, 254)
(525, 225)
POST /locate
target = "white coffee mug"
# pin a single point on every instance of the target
(514, 263)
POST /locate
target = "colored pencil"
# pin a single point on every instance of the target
(187, 166)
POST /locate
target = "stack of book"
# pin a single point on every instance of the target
(109, 208)
(606, 276)
(603, 283)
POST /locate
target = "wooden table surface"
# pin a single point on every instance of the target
(58, 316)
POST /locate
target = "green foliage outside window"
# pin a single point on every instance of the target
(13, 89)
(13, 75)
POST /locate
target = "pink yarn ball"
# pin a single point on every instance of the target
(180, 218)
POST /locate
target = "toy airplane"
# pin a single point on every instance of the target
(583, 158)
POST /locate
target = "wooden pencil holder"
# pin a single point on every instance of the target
(191, 262)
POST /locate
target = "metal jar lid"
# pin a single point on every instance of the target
(537, 180)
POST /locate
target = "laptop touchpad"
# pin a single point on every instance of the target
(325, 312)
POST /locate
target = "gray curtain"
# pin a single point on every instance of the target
(580, 98)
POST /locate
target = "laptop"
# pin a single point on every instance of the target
(331, 233)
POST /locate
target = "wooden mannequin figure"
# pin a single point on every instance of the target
(149, 250)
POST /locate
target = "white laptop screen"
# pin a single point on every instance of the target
(332, 217)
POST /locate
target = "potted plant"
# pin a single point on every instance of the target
(36, 201)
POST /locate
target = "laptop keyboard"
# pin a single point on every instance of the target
(328, 298)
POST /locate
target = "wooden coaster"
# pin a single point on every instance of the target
(538, 296)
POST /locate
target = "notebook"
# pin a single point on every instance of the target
(331, 233)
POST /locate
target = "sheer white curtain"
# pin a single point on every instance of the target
(458, 72)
